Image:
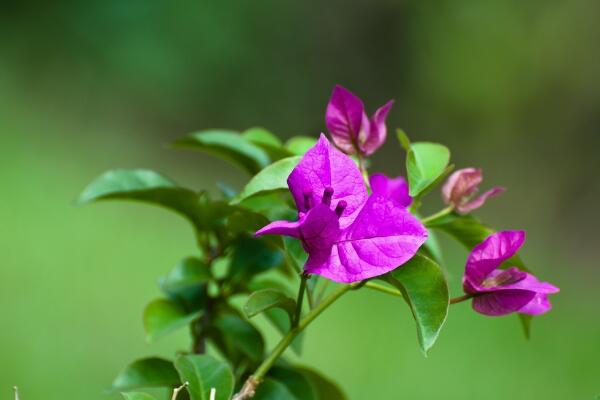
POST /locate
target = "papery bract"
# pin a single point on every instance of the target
(348, 235)
(395, 189)
(350, 127)
(503, 291)
(460, 188)
(324, 167)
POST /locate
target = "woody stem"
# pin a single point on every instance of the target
(460, 299)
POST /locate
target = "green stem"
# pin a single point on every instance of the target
(363, 169)
(437, 215)
(383, 289)
(303, 323)
(394, 292)
(300, 300)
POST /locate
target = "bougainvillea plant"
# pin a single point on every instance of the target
(311, 213)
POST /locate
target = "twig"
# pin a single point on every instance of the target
(248, 390)
(16, 389)
(213, 394)
(460, 299)
(179, 389)
(249, 387)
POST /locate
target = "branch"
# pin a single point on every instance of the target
(253, 381)
(248, 390)
(176, 390)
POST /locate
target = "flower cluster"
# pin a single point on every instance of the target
(351, 235)
(498, 291)
(360, 229)
(348, 234)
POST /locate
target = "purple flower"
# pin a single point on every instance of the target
(348, 235)
(349, 125)
(395, 189)
(502, 291)
(460, 187)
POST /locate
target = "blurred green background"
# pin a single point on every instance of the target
(510, 86)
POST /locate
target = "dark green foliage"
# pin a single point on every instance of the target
(145, 373)
(199, 292)
(423, 286)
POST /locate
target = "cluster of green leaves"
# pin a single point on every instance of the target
(199, 292)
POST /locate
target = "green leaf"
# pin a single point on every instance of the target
(137, 396)
(295, 381)
(163, 316)
(241, 335)
(425, 162)
(270, 389)
(433, 248)
(251, 256)
(244, 220)
(267, 299)
(226, 191)
(424, 288)
(146, 372)
(526, 324)
(271, 179)
(279, 318)
(188, 273)
(299, 145)
(324, 388)
(204, 372)
(273, 205)
(467, 229)
(230, 146)
(403, 139)
(268, 142)
(149, 187)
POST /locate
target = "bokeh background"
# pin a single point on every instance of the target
(510, 86)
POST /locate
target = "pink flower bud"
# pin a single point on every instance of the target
(460, 187)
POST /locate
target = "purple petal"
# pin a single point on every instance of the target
(395, 189)
(318, 229)
(479, 201)
(538, 305)
(383, 237)
(503, 302)
(344, 118)
(377, 131)
(489, 254)
(323, 167)
(284, 228)
(461, 184)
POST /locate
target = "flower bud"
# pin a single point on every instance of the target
(460, 187)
